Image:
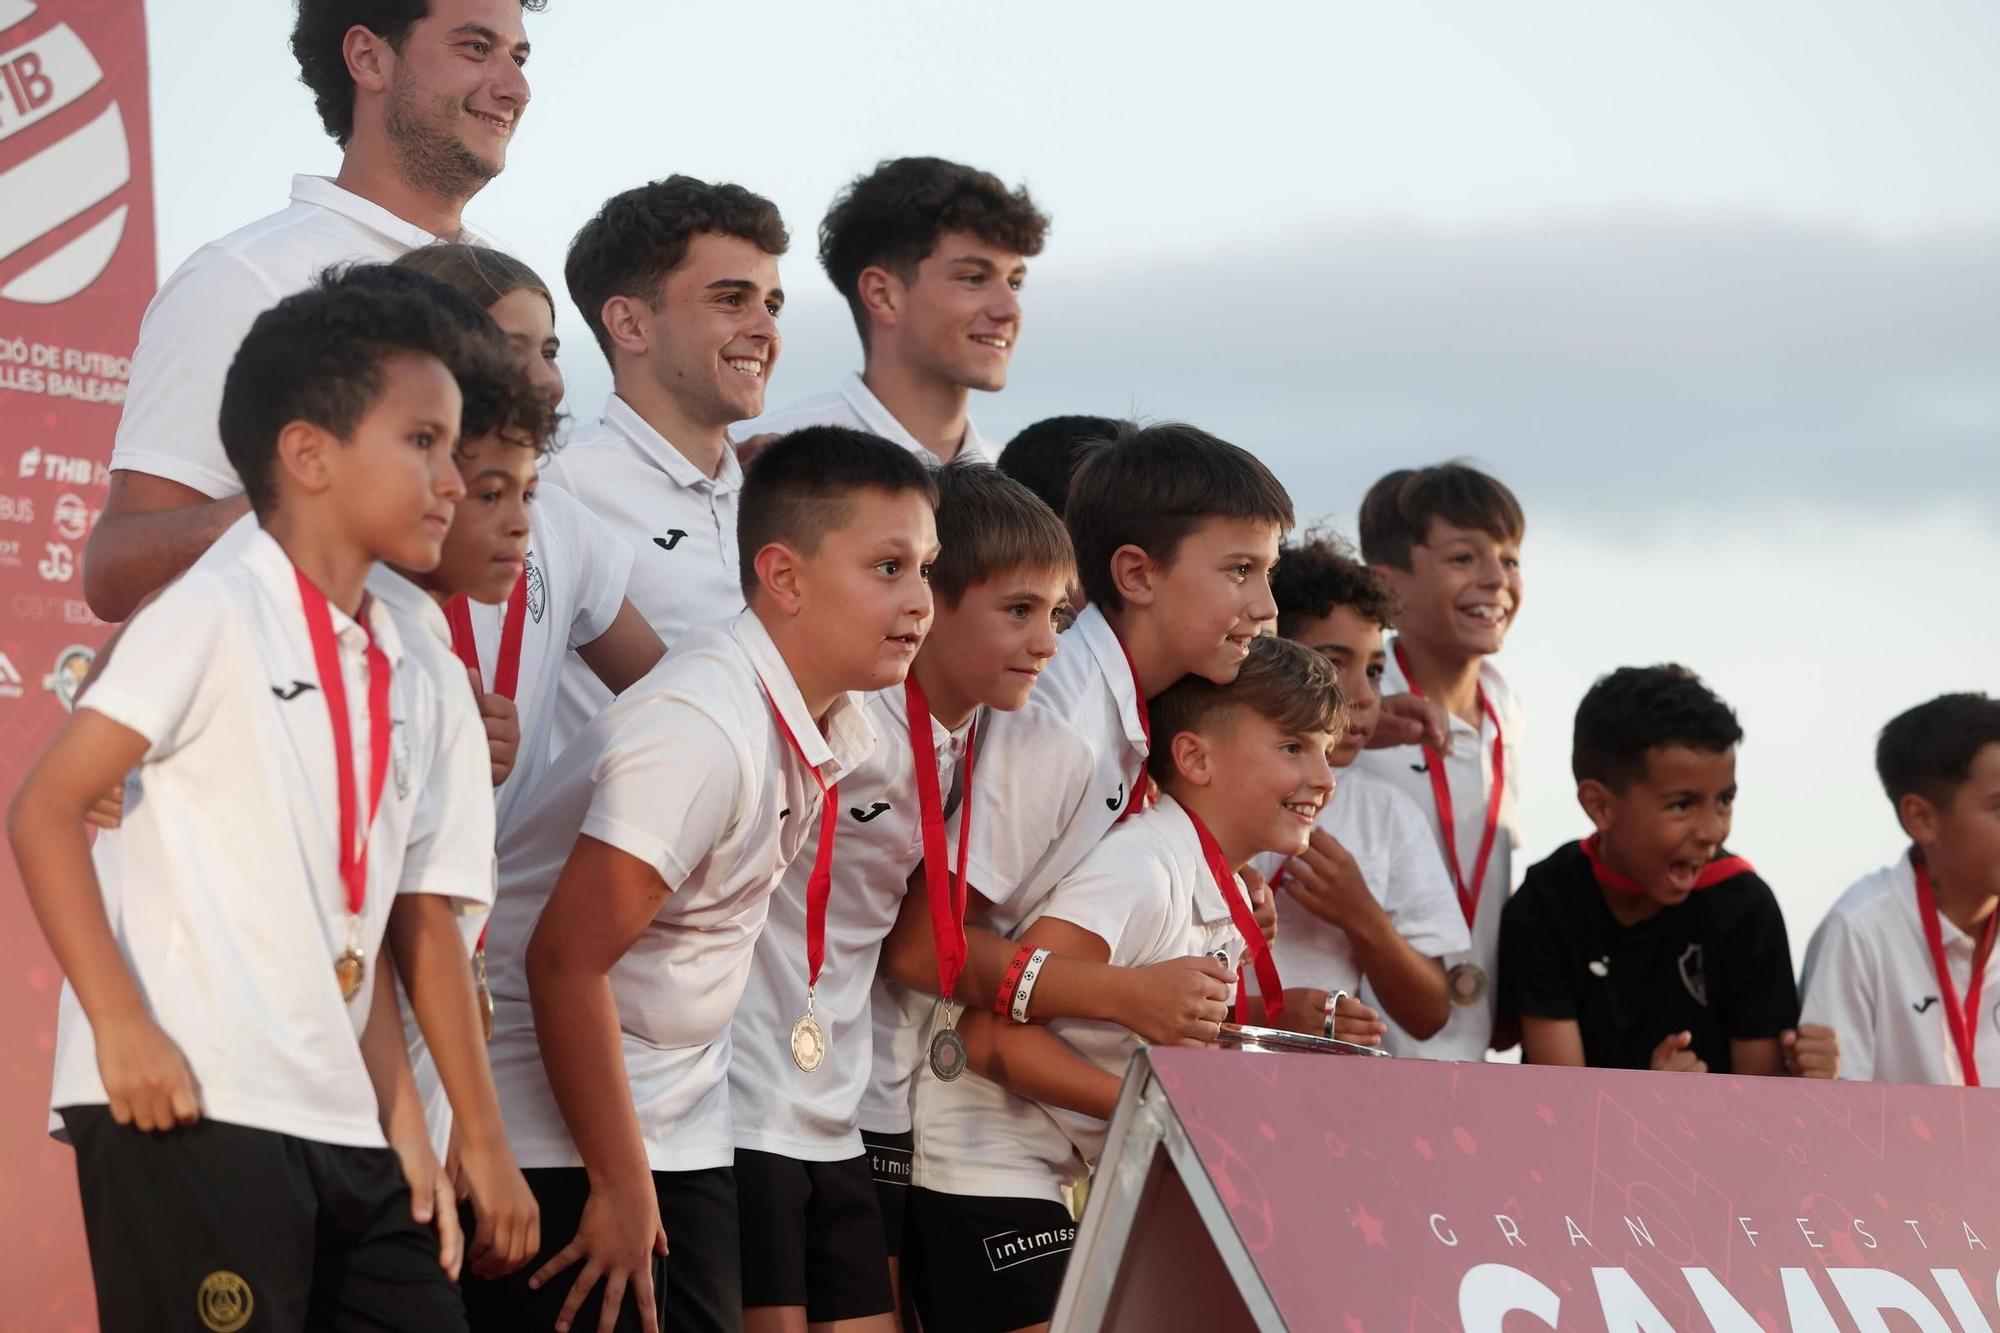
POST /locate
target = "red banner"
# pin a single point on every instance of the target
(1377, 1195)
(76, 270)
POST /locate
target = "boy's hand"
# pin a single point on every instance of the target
(1409, 719)
(509, 1220)
(1263, 903)
(1672, 1055)
(616, 1240)
(503, 728)
(1182, 1001)
(108, 810)
(431, 1201)
(1811, 1051)
(1325, 880)
(146, 1078)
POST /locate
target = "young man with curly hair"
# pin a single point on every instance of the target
(424, 97)
(930, 256)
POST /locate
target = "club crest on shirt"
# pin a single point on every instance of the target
(399, 757)
(224, 1302)
(1693, 976)
(538, 593)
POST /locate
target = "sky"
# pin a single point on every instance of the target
(1714, 287)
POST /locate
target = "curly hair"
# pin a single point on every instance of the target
(1319, 572)
(892, 218)
(1637, 709)
(320, 33)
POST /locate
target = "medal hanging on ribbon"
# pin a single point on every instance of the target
(944, 888)
(350, 968)
(1467, 981)
(808, 1040)
(1962, 1019)
(506, 679)
(1138, 800)
(1256, 949)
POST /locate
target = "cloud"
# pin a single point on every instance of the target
(1617, 369)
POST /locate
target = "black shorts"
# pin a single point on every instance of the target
(696, 1285)
(812, 1236)
(224, 1227)
(889, 1160)
(978, 1265)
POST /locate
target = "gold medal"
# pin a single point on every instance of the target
(808, 1042)
(1467, 983)
(349, 970)
(485, 995)
(948, 1056)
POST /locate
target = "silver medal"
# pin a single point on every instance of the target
(1467, 983)
(947, 1047)
(808, 1041)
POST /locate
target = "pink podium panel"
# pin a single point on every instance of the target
(1307, 1192)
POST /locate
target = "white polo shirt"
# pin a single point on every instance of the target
(855, 406)
(577, 570)
(1053, 777)
(679, 524)
(688, 772)
(1869, 976)
(1469, 769)
(197, 320)
(1147, 892)
(461, 785)
(778, 1108)
(1393, 846)
(230, 907)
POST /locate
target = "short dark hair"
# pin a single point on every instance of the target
(1154, 485)
(1637, 709)
(1319, 572)
(499, 400)
(319, 34)
(801, 487)
(988, 525)
(1044, 456)
(1396, 513)
(893, 216)
(1929, 750)
(317, 356)
(1286, 682)
(643, 234)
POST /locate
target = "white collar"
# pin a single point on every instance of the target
(403, 595)
(273, 568)
(1176, 827)
(848, 738)
(1116, 667)
(625, 419)
(322, 192)
(883, 422)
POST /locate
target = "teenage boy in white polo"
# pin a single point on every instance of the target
(678, 281)
(633, 901)
(423, 110)
(930, 257)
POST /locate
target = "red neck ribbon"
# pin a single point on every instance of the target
(507, 673)
(354, 830)
(1256, 949)
(1468, 897)
(1721, 868)
(819, 888)
(946, 889)
(1962, 1018)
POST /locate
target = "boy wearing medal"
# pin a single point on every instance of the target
(1447, 541)
(1243, 769)
(629, 907)
(1366, 910)
(1903, 967)
(808, 1122)
(1647, 945)
(231, 1070)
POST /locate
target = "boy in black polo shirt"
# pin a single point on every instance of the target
(1647, 945)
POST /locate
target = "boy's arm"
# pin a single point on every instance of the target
(601, 904)
(147, 1081)
(1183, 1000)
(424, 940)
(1756, 1055)
(401, 1112)
(151, 531)
(1327, 882)
(1841, 986)
(1029, 1060)
(626, 651)
(1551, 1041)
